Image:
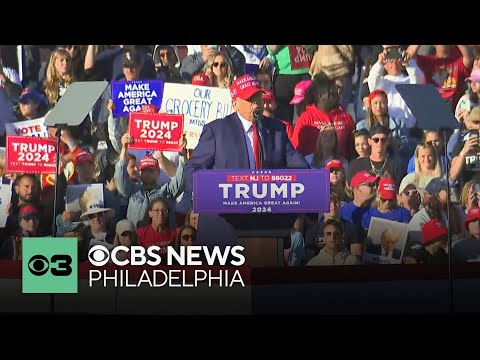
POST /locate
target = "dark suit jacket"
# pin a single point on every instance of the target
(222, 145)
(377, 250)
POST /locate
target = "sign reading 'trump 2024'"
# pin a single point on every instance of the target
(261, 191)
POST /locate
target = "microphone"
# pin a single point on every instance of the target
(258, 119)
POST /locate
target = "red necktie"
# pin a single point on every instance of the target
(256, 154)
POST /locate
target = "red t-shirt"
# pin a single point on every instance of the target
(308, 125)
(148, 236)
(448, 75)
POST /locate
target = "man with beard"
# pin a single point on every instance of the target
(27, 191)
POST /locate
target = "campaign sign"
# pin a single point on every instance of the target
(198, 104)
(152, 131)
(31, 128)
(261, 191)
(30, 155)
(130, 96)
(299, 57)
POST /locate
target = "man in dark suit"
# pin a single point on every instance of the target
(228, 143)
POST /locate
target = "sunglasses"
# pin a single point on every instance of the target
(376, 140)
(222, 65)
(187, 237)
(371, 185)
(93, 216)
(335, 170)
(385, 200)
(410, 192)
(433, 142)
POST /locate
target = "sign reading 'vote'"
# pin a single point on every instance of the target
(261, 191)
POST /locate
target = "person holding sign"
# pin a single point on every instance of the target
(139, 195)
(232, 142)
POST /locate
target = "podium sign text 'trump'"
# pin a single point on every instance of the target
(261, 191)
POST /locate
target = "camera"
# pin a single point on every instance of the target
(393, 53)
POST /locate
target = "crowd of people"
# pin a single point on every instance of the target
(332, 107)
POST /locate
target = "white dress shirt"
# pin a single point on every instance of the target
(248, 128)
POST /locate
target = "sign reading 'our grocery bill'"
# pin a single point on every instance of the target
(261, 191)
(30, 155)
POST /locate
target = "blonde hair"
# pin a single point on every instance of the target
(464, 195)
(437, 172)
(53, 79)
(208, 70)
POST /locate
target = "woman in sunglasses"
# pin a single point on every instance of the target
(409, 198)
(385, 205)
(427, 167)
(187, 235)
(219, 69)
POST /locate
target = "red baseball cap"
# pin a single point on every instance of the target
(362, 177)
(334, 164)
(432, 230)
(387, 189)
(149, 108)
(245, 87)
(300, 91)
(201, 79)
(376, 93)
(149, 162)
(28, 210)
(84, 156)
(473, 214)
(269, 96)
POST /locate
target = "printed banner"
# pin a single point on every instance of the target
(299, 57)
(5, 198)
(31, 128)
(198, 104)
(130, 96)
(30, 155)
(261, 191)
(75, 193)
(385, 242)
(152, 131)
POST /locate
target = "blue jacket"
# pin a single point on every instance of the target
(139, 198)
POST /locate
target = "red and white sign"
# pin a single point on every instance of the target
(299, 57)
(152, 131)
(30, 155)
(30, 128)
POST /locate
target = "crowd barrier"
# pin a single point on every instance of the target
(341, 290)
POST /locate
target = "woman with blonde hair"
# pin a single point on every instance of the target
(219, 69)
(469, 195)
(385, 205)
(59, 75)
(427, 167)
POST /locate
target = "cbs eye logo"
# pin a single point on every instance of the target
(59, 265)
(98, 255)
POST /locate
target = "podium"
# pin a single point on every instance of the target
(262, 235)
